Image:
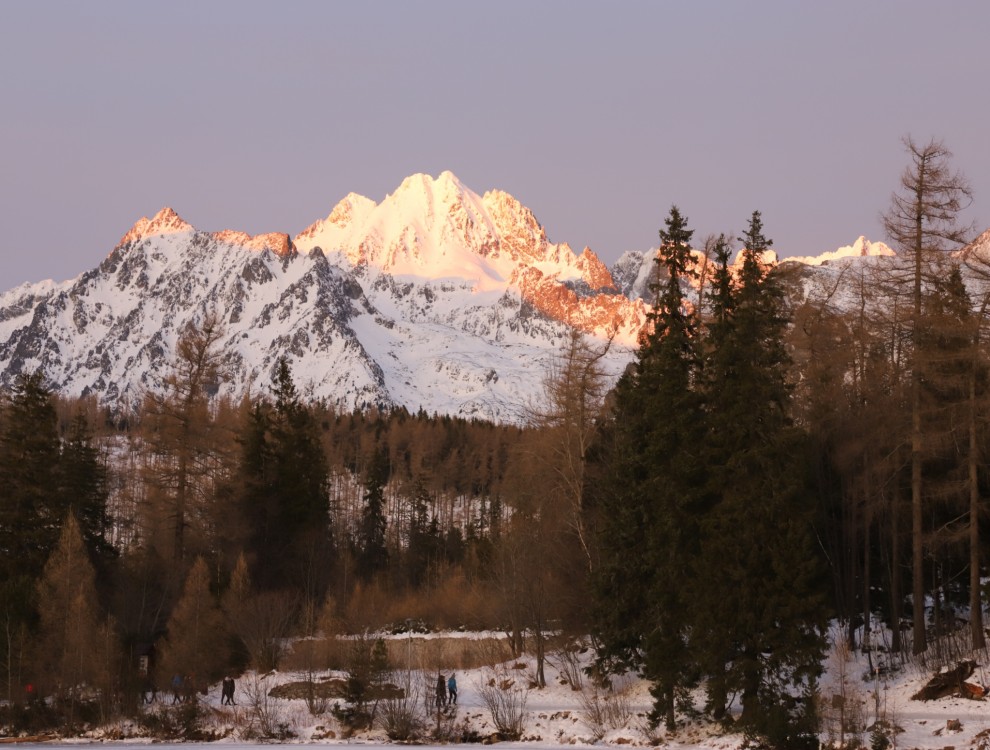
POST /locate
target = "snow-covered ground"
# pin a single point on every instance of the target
(559, 715)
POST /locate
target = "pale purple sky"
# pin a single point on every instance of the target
(260, 116)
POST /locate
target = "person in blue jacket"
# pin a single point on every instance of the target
(452, 690)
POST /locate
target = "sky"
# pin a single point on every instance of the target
(598, 116)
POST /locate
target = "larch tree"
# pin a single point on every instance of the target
(567, 417)
(979, 264)
(551, 528)
(923, 223)
(76, 646)
(261, 620)
(184, 448)
(197, 645)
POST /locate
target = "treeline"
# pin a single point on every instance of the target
(194, 536)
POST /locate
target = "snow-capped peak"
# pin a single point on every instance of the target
(980, 247)
(166, 221)
(861, 248)
(440, 229)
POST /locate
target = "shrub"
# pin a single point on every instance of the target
(505, 701)
(401, 716)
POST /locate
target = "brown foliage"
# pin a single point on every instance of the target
(197, 632)
(455, 602)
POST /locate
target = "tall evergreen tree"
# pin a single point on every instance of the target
(945, 362)
(424, 547)
(370, 550)
(31, 513)
(758, 560)
(285, 493)
(653, 480)
(31, 507)
(82, 479)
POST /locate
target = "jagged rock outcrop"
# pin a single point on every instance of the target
(436, 299)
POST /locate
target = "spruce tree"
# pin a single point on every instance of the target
(652, 482)
(82, 481)
(31, 507)
(285, 493)
(31, 513)
(370, 550)
(944, 359)
(757, 559)
(423, 550)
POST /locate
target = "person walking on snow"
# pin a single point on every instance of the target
(452, 690)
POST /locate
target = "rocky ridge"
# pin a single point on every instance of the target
(436, 299)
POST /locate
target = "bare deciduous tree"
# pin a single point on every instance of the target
(979, 264)
(922, 223)
(261, 620)
(573, 395)
(184, 448)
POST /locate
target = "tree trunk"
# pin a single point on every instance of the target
(895, 577)
(867, 522)
(919, 643)
(541, 651)
(717, 694)
(975, 598)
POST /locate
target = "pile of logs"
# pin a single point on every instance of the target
(952, 683)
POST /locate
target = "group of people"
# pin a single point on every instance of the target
(183, 688)
(446, 691)
(227, 691)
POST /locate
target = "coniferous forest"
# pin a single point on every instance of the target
(772, 460)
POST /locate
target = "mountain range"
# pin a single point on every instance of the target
(437, 299)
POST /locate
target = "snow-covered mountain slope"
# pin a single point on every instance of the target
(436, 299)
(441, 234)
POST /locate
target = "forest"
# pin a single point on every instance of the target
(771, 461)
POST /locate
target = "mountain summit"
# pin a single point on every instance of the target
(441, 229)
(164, 222)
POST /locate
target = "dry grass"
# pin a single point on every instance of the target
(432, 654)
(455, 602)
